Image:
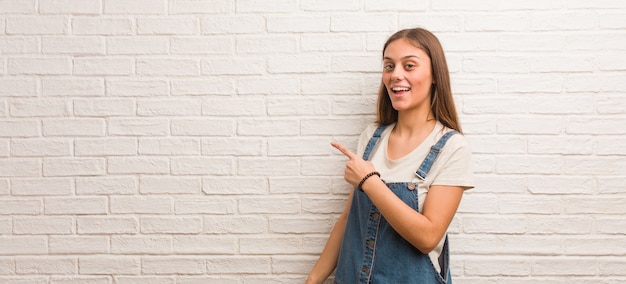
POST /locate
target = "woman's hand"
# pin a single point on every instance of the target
(356, 167)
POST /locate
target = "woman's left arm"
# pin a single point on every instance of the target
(424, 231)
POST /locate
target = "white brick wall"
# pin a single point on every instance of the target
(186, 141)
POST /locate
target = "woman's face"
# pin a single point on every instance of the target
(407, 76)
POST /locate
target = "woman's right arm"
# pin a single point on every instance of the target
(327, 262)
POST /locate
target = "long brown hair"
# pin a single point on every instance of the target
(442, 104)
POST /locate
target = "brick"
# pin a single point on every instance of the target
(249, 106)
(104, 107)
(610, 184)
(43, 225)
(202, 165)
(279, 185)
(46, 265)
(611, 146)
(560, 185)
(73, 87)
(269, 205)
(106, 185)
(102, 26)
(167, 26)
(73, 167)
(203, 127)
(103, 66)
(576, 84)
(595, 126)
(92, 7)
(494, 105)
(208, 279)
(21, 206)
(553, 64)
(75, 45)
(173, 265)
(530, 41)
(109, 265)
(138, 127)
(515, 204)
(235, 224)
(133, 88)
(469, 41)
(169, 185)
(238, 264)
(590, 41)
(23, 245)
(498, 64)
(495, 225)
(568, 145)
(74, 127)
(612, 62)
(218, 45)
(169, 146)
(41, 186)
(507, 244)
(40, 25)
(233, 146)
(269, 86)
(151, 45)
(147, 280)
(4, 187)
(528, 165)
(267, 44)
(23, 167)
(263, 245)
(230, 66)
(204, 245)
(22, 7)
(532, 84)
(234, 185)
(336, 85)
(141, 7)
(107, 225)
(39, 108)
(323, 126)
(7, 266)
(462, 6)
(75, 205)
(201, 6)
(292, 264)
(307, 64)
(529, 125)
(334, 205)
(563, 21)
(39, 66)
(168, 67)
(80, 279)
(205, 205)
(141, 205)
(300, 225)
(170, 107)
(138, 165)
(229, 24)
(548, 225)
(497, 22)
(138, 244)
(71, 244)
(19, 45)
(359, 23)
(203, 87)
(497, 266)
(40, 147)
(18, 88)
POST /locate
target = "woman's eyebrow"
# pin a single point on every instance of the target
(405, 57)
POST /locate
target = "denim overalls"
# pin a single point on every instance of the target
(372, 251)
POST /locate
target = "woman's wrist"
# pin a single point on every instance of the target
(365, 178)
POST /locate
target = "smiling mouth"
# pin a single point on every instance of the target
(397, 90)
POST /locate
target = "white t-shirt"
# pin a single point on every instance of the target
(453, 166)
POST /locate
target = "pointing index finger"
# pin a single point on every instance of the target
(343, 150)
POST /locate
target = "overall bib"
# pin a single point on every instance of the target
(372, 251)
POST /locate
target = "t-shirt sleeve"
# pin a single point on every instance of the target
(455, 164)
(364, 138)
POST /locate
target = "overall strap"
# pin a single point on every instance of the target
(432, 155)
(373, 141)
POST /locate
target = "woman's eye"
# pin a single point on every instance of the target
(410, 66)
(387, 67)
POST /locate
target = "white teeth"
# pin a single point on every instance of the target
(400, 89)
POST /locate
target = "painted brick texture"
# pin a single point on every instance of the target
(187, 141)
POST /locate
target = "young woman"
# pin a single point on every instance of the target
(409, 174)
